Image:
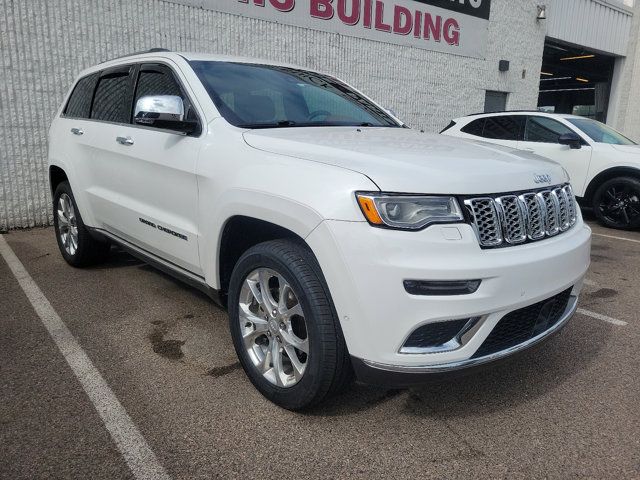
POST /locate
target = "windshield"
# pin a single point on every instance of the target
(599, 132)
(269, 96)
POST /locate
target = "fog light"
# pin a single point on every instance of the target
(438, 337)
(441, 287)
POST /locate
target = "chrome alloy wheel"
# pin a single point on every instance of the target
(273, 327)
(67, 226)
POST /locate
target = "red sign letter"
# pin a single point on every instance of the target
(432, 29)
(452, 32)
(322, 9)
(355, 12)
(402, 21)
(283, 5)
(380, 25)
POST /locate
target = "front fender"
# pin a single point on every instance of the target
(235, 179)
(284, 212)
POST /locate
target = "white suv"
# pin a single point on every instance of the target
(603, 164)
(339, 239)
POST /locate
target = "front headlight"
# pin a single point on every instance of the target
(408, 212)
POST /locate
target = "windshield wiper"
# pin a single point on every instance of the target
(280, 124)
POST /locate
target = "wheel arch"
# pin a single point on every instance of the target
(608, 174)
(57, 175)
(240, 233)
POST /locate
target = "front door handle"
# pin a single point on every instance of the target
(77, 131)
(128, 141)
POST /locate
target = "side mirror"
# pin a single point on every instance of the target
(163, 111)
(573, 140)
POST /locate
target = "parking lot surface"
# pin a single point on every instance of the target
(566, 409)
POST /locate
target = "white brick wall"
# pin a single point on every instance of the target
(46, 42)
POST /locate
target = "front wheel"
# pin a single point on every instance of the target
(76, 244)
(616, 203)
(284, 326)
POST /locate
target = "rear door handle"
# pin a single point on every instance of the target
(128, 141)
(77, 131)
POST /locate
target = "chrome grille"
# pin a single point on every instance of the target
(551, 202)
(513, 218)
(536, 218)
(529, 216)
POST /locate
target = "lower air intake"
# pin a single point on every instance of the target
(524, 324)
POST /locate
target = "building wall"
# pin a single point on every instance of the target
(46, 42)
(609, 32)
(627, 97)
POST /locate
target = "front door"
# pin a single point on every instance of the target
(541, 137)
(145, 189)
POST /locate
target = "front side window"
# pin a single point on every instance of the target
(79, 104)
(269, 96)
(507, 127)
(156, 80)
(599, 132)
(112, 101)
(544, 129)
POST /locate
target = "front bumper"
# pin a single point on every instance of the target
(401, 376)
(365, 268)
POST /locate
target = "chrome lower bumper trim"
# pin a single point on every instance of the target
(572, 306)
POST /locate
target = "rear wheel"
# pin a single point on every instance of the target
(616, 203)
(284, 327)
(76, 244)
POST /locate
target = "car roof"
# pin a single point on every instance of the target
(155, 53)
(515, 112)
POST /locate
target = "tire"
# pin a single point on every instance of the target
(75, 242)
(616, 203)
(295, 278)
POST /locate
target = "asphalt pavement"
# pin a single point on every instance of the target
(567, 409)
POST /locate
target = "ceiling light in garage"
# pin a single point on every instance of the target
(580, 57)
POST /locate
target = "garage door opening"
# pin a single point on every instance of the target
(574, 80)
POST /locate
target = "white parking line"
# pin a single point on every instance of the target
(134, 448)
(615, 238)
(604, 318)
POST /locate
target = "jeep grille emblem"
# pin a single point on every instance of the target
(542, 178)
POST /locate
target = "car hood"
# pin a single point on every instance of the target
(405, 160)
(628, 148)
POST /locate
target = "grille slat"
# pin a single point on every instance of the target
(514, 219)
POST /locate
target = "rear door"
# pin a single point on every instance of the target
(73, 146)
(541, 137)
(145, 188)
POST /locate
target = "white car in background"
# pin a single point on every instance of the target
(604, 165)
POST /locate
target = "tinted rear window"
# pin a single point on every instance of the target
(474, 128)
(79, 104)
(503, 128)
(112, 102)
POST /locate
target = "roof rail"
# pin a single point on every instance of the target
(503, 111)
(151, 50)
